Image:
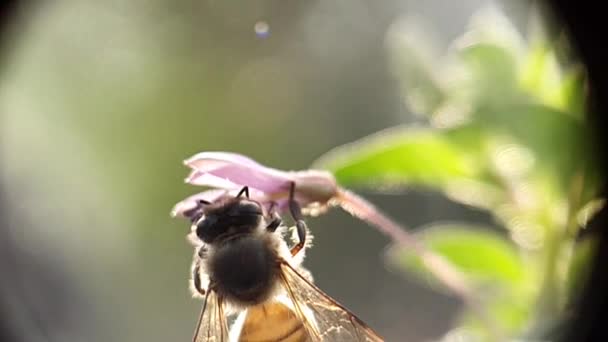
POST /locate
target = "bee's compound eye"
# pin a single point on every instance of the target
(205, 228)
(248, 208)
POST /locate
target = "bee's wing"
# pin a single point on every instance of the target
(212, 325)
(272, 321)
(323, 317)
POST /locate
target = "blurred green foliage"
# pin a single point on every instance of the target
(505, 133)
(485, 255)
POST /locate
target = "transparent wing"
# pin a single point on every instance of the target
(272, 321)
(212, 325)
(323, 317)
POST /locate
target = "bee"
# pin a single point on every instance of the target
(243, 265)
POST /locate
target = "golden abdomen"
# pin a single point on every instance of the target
(272, 322)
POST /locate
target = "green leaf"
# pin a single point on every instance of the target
(483, 256)
(408, 156)
(452, 161)
(572, 92)
(493, 73)
(586, 213)
(510, 311)
(555, 139)
(540, 76)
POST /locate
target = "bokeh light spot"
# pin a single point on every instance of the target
(262, 29)
(512, 160)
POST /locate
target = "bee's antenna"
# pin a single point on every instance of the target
(197, 212)
(244, 190)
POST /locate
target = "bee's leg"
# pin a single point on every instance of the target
(244, 190)
(196, 269)
(296, 214)
(196, 279)
(201, 252)
(275, 221)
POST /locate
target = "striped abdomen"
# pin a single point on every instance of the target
(272, 322)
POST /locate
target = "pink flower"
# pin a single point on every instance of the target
(227, 173)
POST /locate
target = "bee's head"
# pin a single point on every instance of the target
(228, 217)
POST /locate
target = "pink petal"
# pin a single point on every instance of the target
(314, 186)
(231, 171)
(228, 157)
(206, 179)
(192, 202)
(239, 170)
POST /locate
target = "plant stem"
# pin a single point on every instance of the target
(436, 264)
(551, 292)
(548, 299)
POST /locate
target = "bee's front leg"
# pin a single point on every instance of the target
(196, 286)
(275, 219)
(296, 214)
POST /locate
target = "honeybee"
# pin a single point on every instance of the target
(242, 265)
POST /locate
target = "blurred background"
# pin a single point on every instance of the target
(101, 101)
